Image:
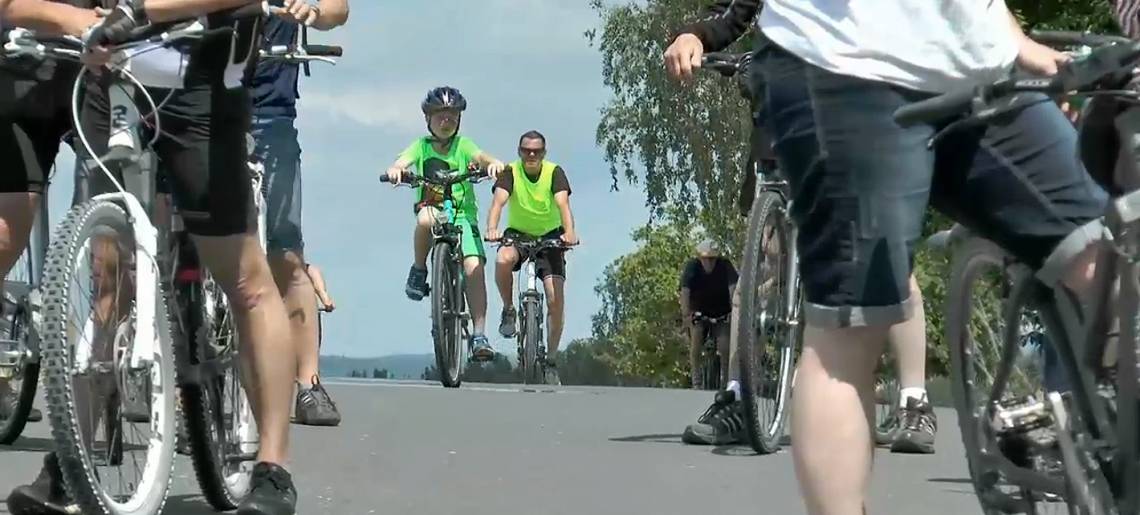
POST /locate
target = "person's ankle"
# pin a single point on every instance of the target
(917, 393)
(734, 387)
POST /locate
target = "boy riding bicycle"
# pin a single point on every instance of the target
(443, 149)
(539, 197)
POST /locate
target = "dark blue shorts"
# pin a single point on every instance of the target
(860, 186)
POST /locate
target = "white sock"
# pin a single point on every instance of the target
(734, 387)
(911, 393)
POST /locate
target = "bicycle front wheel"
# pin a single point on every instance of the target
(531, 335)
(767, 333)
(90, 295)
(446, 314)
(18, 367)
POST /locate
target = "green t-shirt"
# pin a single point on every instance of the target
(426, 160)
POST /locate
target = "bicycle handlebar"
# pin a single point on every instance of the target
(533, 245)
(701, 317)
(1073, 38)
(726, 64)
(1082, 75)
(443, 179)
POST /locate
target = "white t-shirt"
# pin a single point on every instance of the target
(926, 45)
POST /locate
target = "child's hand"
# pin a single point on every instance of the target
(495, 168)
(395, 175)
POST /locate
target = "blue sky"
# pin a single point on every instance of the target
(522, 64)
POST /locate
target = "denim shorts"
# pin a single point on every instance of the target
(860, 185)
(279, 150)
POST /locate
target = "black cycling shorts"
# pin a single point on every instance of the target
(34, 116)
(201, 152)
(549, 262)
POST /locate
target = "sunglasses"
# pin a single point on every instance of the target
(532, 151)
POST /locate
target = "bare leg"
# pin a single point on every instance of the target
(831, 409)
(696, 340)
(555, 307)
(505, 275)
(422, 239)
(240, 267)
(476, 293)
(17, 213)
(297, 292)
(908, 344)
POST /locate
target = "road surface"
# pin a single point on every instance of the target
(415, 448)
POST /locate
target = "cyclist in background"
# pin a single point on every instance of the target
(441, 150)
(275, 97)
(538, 195)
(914, 423)
(707, 285)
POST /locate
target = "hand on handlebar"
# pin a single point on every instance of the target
(1040, 59)
(570, 238)
(493, 234)
(395, 175)
(494, 169)
(299, 11)
(116, 26)
(683, 56)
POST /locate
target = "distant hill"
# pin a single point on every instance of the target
(400, 366)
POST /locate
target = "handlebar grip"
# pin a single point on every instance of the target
(249, 10)
(324, 50)
(937, 108)
(385, 178)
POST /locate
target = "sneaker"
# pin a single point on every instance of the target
(887, 431)
(721, 424)
(481, 349)
(550, 374)
(271, 492)
(45, 496)
(507, 325)
(417, 286)
(8, 408)
(917, 426)
(315, 407)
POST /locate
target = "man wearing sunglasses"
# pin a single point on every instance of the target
(539, 197)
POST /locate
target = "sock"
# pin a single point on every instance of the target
(302, 387)
(734, 387)
(911, 393)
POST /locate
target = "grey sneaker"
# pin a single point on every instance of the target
(507, 327)
(721, 424)
(550, 374)
(315, 407)
(917, 427)
(271, 492)
(481, 349)
(417, 286)
(887, 431)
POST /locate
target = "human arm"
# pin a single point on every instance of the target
(724, 22)
(171, 10)
(320, 288)
(488, 162)
(687, 277)
(1033, 56)
(410, 155)
(325, 15)
(561, 187)
(502, 194)
(48, 17)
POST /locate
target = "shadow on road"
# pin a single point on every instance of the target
(955, 480)
(187, 504)
(734, 450)
(658, 438)
(25, 444)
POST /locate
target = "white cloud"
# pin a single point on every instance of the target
(382, 108)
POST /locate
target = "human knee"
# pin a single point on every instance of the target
(425, 218)
(507, 257)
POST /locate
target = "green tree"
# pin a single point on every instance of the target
(585, 362)
(1083, 15)
(686, 146)
(640, 314)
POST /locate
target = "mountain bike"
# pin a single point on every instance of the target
(1032, 441)
(123, 346)
(449, 315)
(768, 334)
(531, 347)
(19, 346)
(709, 370)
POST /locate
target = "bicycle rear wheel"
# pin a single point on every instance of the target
(87, 353)
(768, 333)
(446, 314)
(219, 422)
(18, 365)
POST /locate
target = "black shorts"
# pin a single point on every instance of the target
(549, 262)
(34, 116)
(202, 154)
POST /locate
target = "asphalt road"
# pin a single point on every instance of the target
(414, 448)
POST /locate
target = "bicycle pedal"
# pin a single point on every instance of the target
(1020, 416)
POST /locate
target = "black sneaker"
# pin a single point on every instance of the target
(315, 407)
(721, 424)
(417, 286)
(45, 496)
(917, 426)
(271, 492)
(507, 326)
(550, 374)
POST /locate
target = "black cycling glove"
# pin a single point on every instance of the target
(117, 26)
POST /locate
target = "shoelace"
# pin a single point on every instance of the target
(278, 479)
(918, 420)
(713, 410)
(729, 420)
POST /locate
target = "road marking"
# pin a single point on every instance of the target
(382, 383)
